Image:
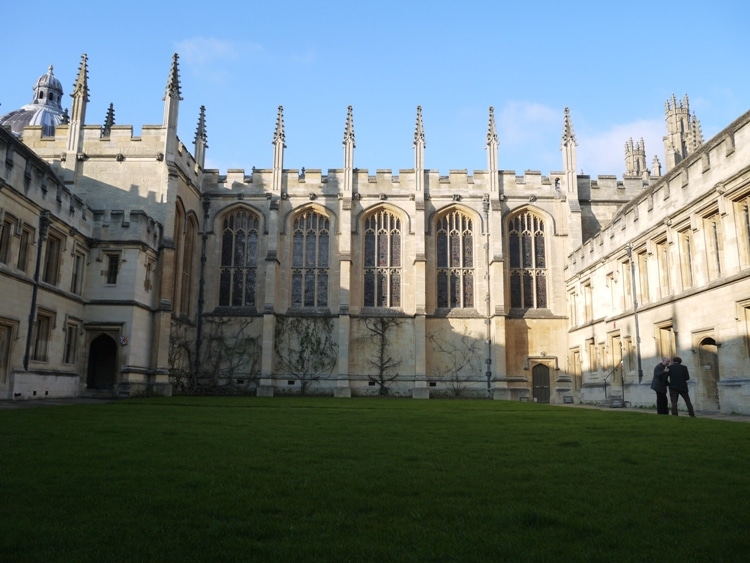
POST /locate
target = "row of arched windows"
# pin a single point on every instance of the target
(382, 260)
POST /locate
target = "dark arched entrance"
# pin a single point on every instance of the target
(708, 375)
(102, 372)
(540, 381)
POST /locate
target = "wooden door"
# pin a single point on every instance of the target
(540, 381)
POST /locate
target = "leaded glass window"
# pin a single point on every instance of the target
(310, 247)
(382, 260)
(528, 262)
(455, 260)
(239, 259)
(187, 266)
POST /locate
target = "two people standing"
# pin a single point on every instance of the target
(673, 376)
(659, 385)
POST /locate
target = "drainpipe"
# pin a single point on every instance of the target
(201, 287)
(43, 228)
(629, 249)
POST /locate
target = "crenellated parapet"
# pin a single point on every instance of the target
(40, 185)
(672, 201)
(259, 181)
(126, 227)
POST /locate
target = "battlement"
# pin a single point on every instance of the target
(126, 226)
(118, 145)
(662, 201)
(259, 181)
(21, 170)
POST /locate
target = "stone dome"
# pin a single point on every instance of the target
(44, 110)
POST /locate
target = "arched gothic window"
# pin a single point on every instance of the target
(310, 243)
(528, 262)
(187, 266)
(382, 260)
(455, 260)
(179, 228)
(239, 259)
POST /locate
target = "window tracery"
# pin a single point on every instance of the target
(239, 259)
(310, 250)
(455, 260)
(382, 263)
(528, 262)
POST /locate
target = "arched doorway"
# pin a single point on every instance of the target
(708, 375)
(540, 381)
(102, 372)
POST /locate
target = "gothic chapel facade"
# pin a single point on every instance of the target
(135, 270)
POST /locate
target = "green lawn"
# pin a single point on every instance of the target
(310, 479)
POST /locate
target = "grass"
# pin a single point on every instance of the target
(310, 479)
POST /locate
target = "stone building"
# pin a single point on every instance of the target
(669, 275)
(156, 274)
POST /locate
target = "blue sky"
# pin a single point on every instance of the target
(613, 64)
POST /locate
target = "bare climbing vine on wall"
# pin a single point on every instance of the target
(305, 348)
(382, 331)
(458, 361)
(230, 357)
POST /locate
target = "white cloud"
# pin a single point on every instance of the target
(202, 51)
(522, 122)
(603, 152)
(529, 135)
(306, 57)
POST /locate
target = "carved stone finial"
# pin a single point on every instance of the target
(349, 129)
(81, 86)
(419, 129)
(568, 135)
(278, 135)
(200, 132)
(491, 131)
(173, 82)
(109, 121)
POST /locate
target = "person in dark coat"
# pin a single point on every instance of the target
(678, 378)
(659, 385)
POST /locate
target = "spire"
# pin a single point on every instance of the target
(575, 226)
(201, 138)
(109, 121)
(696, 133)
(80, 97)
(492, 144)
(172, 94)
(491, 132)
(568, 135)
(419, 129)
(172, 108)
(278, 135)
(349, 150)
(278, 150)
(569, 152)
(81, 86)
(349, 129)
(419, 146)
(173, 81)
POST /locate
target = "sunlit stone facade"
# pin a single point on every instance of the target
(168, 277)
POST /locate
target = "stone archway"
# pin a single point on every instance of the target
(102, 365)
(708, 375)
